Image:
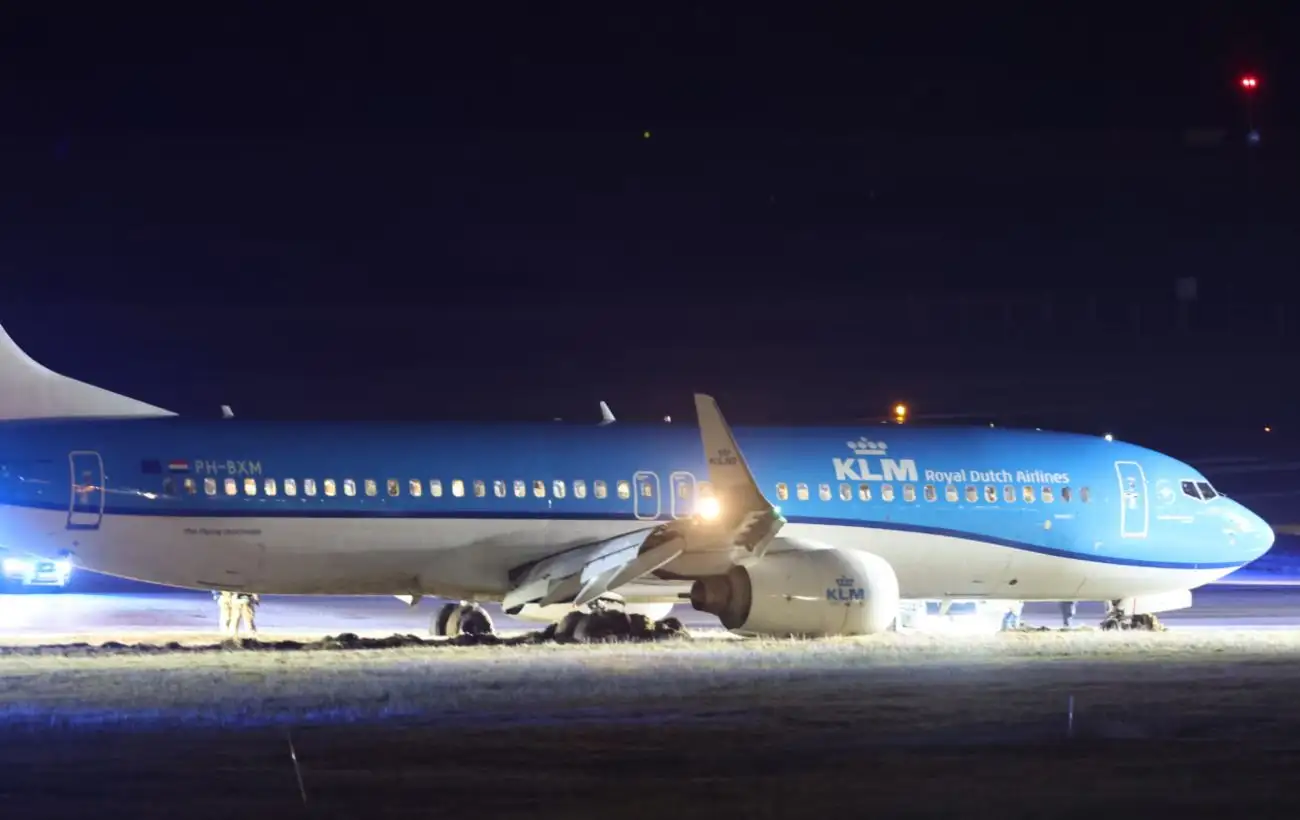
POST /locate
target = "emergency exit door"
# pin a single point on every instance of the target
(86, 509)
(645, 495)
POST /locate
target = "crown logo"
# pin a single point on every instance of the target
(866, 447)
(844, 581)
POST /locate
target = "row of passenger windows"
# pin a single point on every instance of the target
(931, 493)
(599, 489)
(414, 487)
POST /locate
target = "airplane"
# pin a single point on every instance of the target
(776, 530)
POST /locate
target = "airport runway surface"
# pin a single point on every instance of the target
(151, 616)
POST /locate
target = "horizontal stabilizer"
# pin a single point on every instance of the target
(29, 390)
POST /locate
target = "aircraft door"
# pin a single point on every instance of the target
(86, 509)
(645, 495)
(1134, 516)
(683, 489)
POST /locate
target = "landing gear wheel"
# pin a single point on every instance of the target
(1144, 622)
(568, 626)
(463, 618)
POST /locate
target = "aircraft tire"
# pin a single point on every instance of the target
(474, 620)
(438, 627)
(568, 625)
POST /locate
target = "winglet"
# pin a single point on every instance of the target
(226, 412)
(606, 415)
(728, 472)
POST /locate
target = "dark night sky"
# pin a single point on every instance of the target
(419, 214)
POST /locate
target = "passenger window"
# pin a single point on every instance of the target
(557, 488)
(499, 488)
(331, 488)
(782, 492)
(1085, 495)
(824, 492)
(1046, 494)
(521, 489)
(909, 493)
(864, 492)
(457, 488)
(580, 488)
(190, 486)
(647, 488)
(250, 486)
(950, 493)
(801, 490)
(268, 486)
(846, 492)
(1008, 493)
(886, 492)
(1065, 494)
(394, 488)
(600, 489)
(372, 489)
(232, 486)
(990, 494)
(415, 487)
(309, 486)
(480, 488)
(210, 486)
(1029, 494)
(624, 490)
(539, 488)
(169, 486)
(930, 493)
(349, 487)
(290, 486)
(435, 488)
(972, 494)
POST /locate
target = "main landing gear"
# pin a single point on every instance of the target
(461, 618)
(1118, 618)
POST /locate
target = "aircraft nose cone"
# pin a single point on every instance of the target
(1255, 536)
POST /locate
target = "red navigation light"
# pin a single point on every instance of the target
(1249, 82)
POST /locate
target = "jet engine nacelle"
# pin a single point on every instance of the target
(804, 593)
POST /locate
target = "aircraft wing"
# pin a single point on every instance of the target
(733, 524)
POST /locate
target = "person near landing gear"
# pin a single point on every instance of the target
(225, 611)
(245, 612)
(1068, 610)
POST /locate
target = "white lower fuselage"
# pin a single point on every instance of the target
(472, 557)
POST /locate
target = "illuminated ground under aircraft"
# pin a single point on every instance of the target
(812, 531)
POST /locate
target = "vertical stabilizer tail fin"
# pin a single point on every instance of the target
(30, 390)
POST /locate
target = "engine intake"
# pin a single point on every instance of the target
(804, 593)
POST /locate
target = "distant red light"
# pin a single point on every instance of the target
(1249, 82)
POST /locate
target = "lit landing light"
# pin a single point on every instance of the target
(709, 508)
(1109, 437)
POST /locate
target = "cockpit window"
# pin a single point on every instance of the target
(1189, 488)
(1207, 492)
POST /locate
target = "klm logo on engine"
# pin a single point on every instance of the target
(725, 458)
(845, 591)
(872, 465)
